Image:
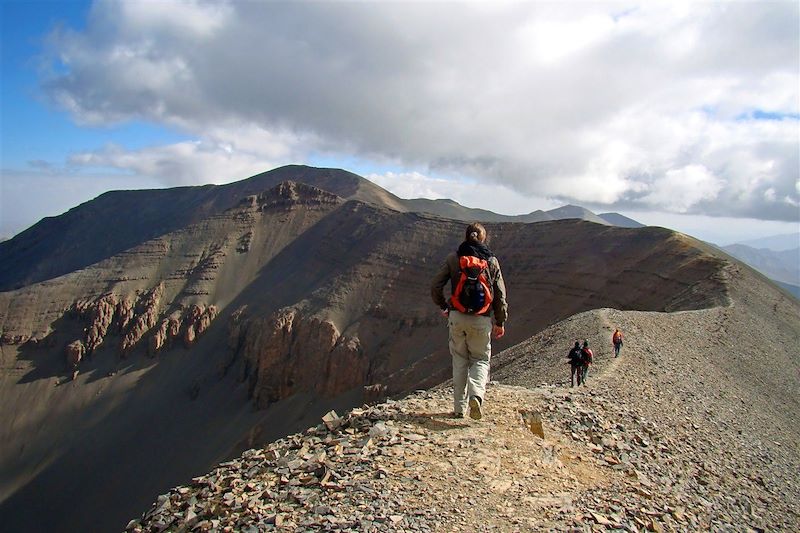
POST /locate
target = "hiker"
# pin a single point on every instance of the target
(616, 340)
(575, 364)
(477, 293)
(587, 357)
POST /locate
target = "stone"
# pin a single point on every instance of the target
(332, 420)
(533, 421)
(600, 519)
(74, 353)
(379, 430)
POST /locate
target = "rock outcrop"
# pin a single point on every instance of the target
(100, 314)
(74, 353)
(125, 312)
(133, 319)
(288, 352)
(145, 319)
(196, 322)
(167, 332)
(292, 195)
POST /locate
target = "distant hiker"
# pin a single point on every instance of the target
(477, 292)
(575, 364)
(587, 357)
(616, 340)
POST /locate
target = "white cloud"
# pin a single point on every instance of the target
(184, 163)
(682, 188)
(494, 197)
(615, 105)
(224, 154)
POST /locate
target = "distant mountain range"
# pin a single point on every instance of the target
(615, 219)
(783, 267)
(776, 243)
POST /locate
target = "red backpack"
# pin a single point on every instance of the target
(473, 292)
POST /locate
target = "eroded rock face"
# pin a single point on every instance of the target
(287, 353)
(168, 330)
(125, 313)
(145, 319)
(74, 353)
(197, 321)
(375, 392)
(133, 320)
(101, 315)
(293, 195)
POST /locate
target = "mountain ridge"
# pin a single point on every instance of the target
(141, 215)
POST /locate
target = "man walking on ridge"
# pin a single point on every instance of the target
(587, 357)
(616, 340)
(575, 364)
(477, 292)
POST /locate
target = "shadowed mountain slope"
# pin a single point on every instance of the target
(293, 300)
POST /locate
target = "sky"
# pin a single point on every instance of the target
(679, 114)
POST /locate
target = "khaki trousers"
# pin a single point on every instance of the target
(471, 348)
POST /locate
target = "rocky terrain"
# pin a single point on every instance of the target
(161, 361)
(679, 433)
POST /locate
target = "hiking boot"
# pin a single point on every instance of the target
(475, 412)
(456, 414)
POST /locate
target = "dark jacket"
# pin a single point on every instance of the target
(575, 356)
(451, 271)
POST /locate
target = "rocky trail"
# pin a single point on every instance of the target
(409, 466)
(642, 447)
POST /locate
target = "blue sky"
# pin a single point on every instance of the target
(686, 116)
(41, 131)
